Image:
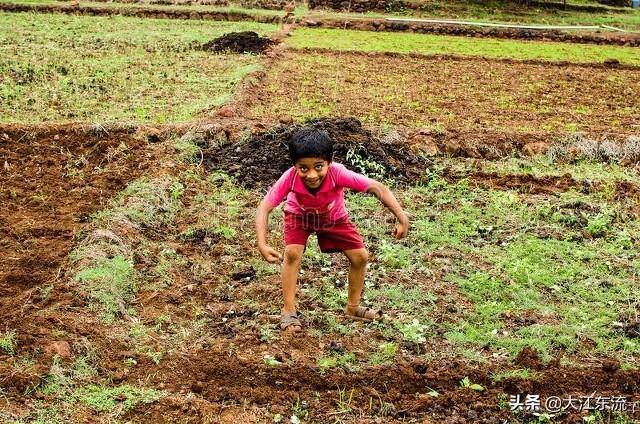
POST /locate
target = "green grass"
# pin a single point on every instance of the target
(104, 263)
(500, 13)
(111, 285)
(349, 40)
(61, 68)
(8, 342)
(576, 286)
(187, 8)
(106, 399)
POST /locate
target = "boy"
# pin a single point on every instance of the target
(314, 191)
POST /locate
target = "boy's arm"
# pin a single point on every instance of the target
(262, 223)
(271, 200)
(387, 198)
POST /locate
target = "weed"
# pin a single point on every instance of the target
(185, 148)
(266, 334)
(345, 359)
(143, 203)
(111, 285)
(344, 401)
(365, 166)
(271, 361)
(599, 225)
(394, 256)
(413, 332)
(467, 384)
(385, 354)
(8, 342)
(299, 410)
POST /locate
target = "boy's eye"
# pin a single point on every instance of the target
(318, 167)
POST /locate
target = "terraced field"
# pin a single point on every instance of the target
(132, 161)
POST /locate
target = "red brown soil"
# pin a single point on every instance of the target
(472, 94)
(51, 180)
(238, 42)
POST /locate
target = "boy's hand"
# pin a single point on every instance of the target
(402, 228)
(270, 254)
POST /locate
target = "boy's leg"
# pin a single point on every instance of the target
(290, 269)
(358, 259)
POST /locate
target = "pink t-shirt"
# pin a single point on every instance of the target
(328, 199)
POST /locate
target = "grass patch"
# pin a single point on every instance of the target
(60, 68)
(501, 12)
(8, 342)
(111, 285)
(554, 273)
(104, 263)
(367, 41)
(106, 399)
(143, 203)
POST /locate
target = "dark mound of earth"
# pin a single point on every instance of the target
(260, 160)
(238, 42)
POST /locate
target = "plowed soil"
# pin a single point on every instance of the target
(53, 180)
(446, 93)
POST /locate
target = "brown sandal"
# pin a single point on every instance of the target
(363, 313)
(290, 320)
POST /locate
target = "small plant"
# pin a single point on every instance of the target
(111, 284)
(413, 332)
(346, 360)
(467, 384)
(599, 225)
(344, 400)
(385, 353)
(367, 167)
(8, 342)
(298, 410)
(176, 190)
(271, 361)
(266, 334)
(326, 363)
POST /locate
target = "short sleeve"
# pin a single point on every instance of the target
(278, 192)
(350, 179)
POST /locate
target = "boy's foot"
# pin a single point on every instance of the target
(289, 322)
(363, 313)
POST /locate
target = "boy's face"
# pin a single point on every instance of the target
(312, 171)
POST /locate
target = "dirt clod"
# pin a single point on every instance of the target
(238, 42)
(528, 358)
(246, 273)
(60, 348)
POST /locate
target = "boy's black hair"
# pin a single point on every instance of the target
(310, 143)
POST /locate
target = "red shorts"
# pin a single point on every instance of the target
(333, 236)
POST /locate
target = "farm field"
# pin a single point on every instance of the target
(131, 289)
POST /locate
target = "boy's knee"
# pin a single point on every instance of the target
(293, 255)
(359, 259)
